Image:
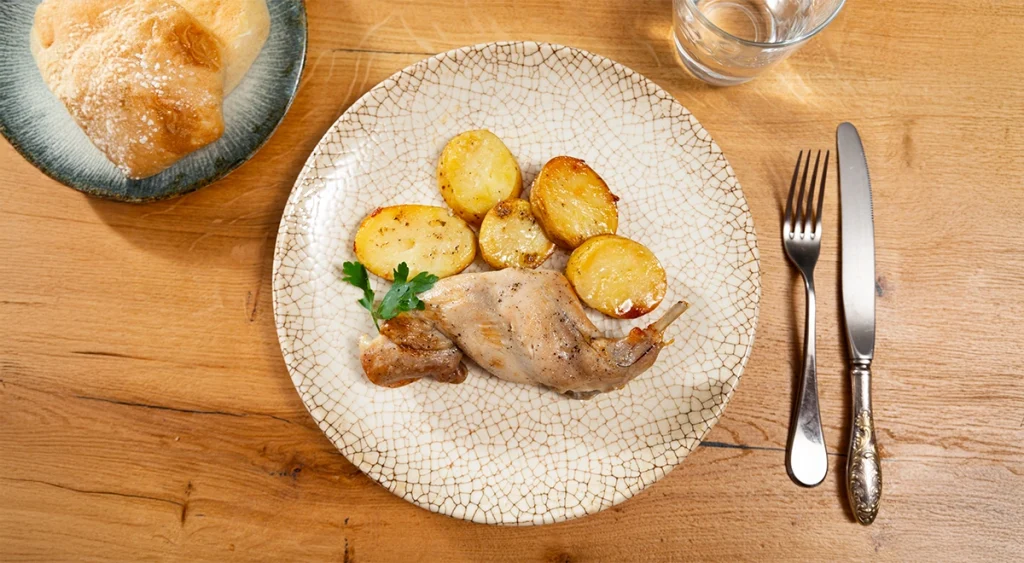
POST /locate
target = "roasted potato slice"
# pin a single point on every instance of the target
(428, 239)
(510, 236)
(572, 202)
(475, 172)
(617, 276)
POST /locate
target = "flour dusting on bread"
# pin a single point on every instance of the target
(143, 78)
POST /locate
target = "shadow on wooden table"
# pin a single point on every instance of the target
(652, 28)
(847, 412)
(238, 215)
(202, 226)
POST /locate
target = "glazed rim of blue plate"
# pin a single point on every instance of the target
(39, 127)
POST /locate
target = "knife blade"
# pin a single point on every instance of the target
(858, 232)
(864, 469)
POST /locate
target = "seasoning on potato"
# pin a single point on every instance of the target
(475, 172)
(510, 237)
(617, 276)
(428, 239)
(572, 202)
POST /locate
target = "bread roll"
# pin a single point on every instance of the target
(142, 78)
(242, 27)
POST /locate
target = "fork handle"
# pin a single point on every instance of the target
(806, 459)
(864, 469)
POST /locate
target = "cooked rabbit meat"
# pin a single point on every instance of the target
(409, 348)
(523, 326)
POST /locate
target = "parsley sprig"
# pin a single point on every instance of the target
(400, 298)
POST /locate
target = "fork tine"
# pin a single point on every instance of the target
(808, 218)
(787, 224)
(798, 219)
(821, 196)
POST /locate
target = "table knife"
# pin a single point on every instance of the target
(864, 470)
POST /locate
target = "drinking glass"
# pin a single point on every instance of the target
(726, 42)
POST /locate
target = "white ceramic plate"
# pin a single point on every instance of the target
(488, 450)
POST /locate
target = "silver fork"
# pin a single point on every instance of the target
(806, 460)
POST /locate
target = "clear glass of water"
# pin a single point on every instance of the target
(727, 42)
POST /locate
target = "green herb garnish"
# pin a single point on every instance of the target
(400, 298)
(355, 274)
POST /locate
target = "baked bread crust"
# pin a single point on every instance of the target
(242, 27)
(143, 78)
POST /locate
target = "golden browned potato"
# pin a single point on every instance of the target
(510, 236)
(475, 172)
(572, 202)
(617, 276)
(428, 239)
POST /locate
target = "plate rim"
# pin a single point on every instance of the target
(302, 180)
(199, 184)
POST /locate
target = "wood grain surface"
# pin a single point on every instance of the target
(146, 413)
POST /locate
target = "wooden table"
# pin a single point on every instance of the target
(145, 410)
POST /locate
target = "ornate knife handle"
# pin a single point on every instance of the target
(864, 469)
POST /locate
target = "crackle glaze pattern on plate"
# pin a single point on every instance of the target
(38, 125)
(488, 450)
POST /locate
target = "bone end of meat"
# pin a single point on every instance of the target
(669, 317)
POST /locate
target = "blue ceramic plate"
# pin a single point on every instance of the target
(42, 130)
